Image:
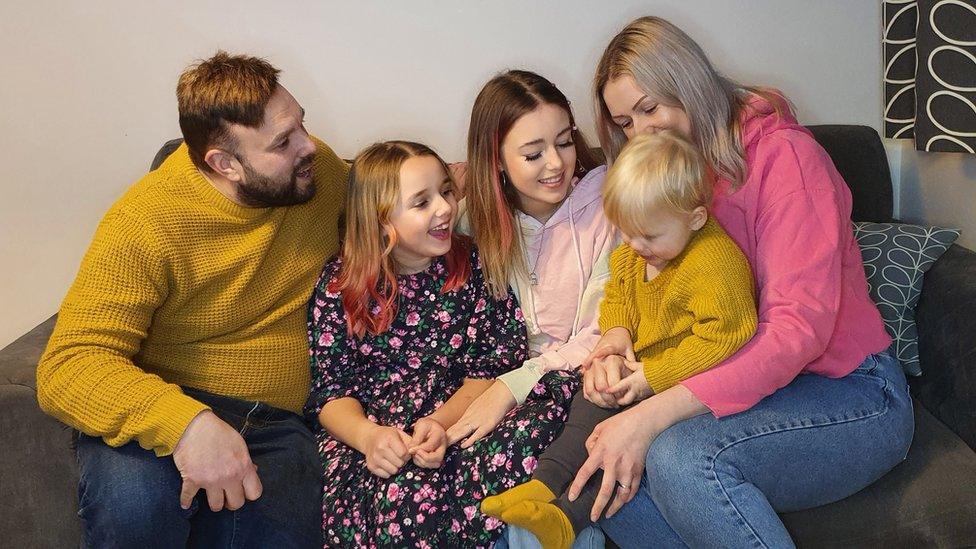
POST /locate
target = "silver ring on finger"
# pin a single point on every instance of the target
(623, 486)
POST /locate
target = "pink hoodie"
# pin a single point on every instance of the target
(569, 254)
(792, 218)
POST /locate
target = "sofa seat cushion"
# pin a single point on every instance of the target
(929, 500)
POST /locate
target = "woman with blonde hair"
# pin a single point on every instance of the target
(814, 407)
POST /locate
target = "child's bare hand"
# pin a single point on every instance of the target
(633, 387)
(386, 450)
(602, 374)
(428, 444)
(616, 341)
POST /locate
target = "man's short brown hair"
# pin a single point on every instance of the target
(225, 89)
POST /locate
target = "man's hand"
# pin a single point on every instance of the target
(211, 455)
(385, 449)
(483, 415)
(428, 444)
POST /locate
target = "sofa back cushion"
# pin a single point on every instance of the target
(860, 158)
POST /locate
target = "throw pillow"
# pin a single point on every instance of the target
(896, 255)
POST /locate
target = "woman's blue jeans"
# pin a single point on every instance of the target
(720, 482)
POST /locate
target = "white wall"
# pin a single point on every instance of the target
(939, 189)
(88, 87)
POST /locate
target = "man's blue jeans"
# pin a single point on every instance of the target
(130, 498)
(720, 482)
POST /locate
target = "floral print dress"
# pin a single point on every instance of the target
(406, 373)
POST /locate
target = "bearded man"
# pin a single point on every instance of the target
(180, 351)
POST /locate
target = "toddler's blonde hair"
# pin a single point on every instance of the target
(661, 169)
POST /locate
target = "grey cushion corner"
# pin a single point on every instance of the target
(164, 152)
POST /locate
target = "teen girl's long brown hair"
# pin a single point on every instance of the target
(492, 206)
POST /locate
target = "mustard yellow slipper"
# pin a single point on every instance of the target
(547, 521)
(533, 490)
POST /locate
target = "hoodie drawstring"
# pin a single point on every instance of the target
(579, 265)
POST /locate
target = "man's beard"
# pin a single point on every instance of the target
(259, 190)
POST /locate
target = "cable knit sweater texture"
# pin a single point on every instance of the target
(181, 286)
(695, 313)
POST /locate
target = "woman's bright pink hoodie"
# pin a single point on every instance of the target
(792, 218)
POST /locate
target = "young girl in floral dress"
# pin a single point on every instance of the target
(404, 334)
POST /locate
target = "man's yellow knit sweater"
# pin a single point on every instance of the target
(181, 286)
(695, 313)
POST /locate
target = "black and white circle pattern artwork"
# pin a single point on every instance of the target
(930, 73)
(901, 19)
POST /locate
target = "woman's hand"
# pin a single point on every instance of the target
(619, 446)
(482, 415)
(604, 373)
(616, 341)
(428, 444)
(385, 449)
(632, 388)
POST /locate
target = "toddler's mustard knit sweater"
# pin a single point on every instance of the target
(698, 311)
(181, 286)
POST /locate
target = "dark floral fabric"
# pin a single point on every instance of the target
(435, 342)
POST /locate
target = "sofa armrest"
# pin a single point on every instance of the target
(38, 473)
(947, 342)
(18, 361)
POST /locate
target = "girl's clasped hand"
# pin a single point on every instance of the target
(389, 448)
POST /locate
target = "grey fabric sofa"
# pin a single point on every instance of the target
(927, 501)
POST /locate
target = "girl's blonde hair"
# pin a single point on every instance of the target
(367, 278)
(672, 69)
(656, 170)
(492, 204)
